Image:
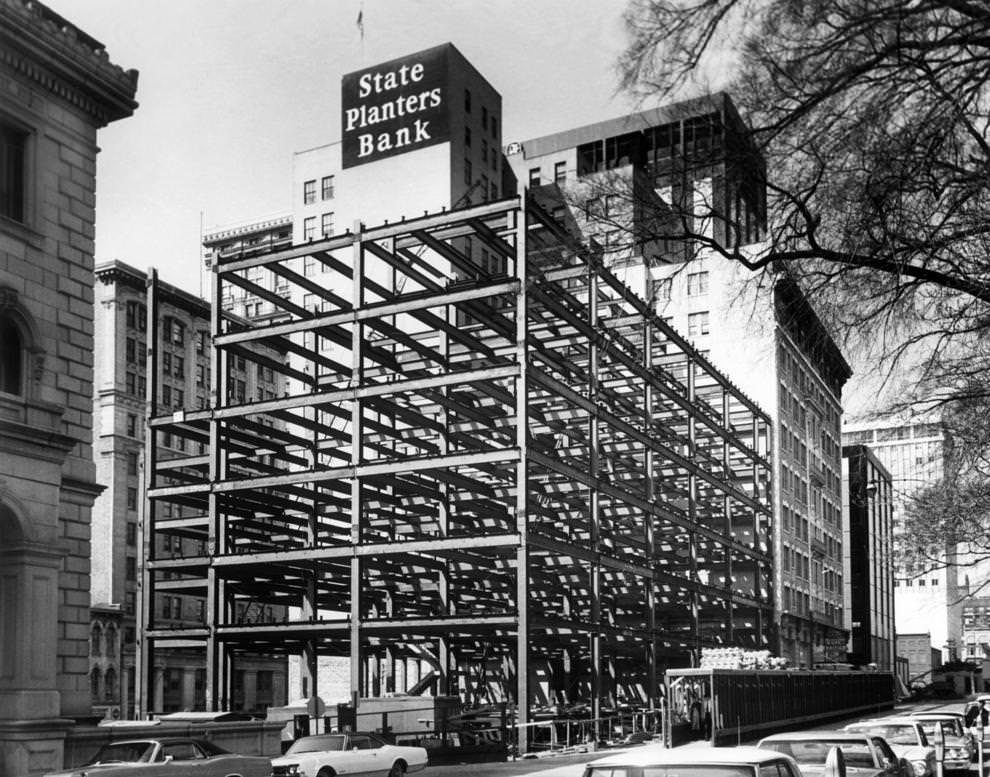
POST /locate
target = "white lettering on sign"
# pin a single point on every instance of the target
(389, 141)
(369, 115)
(376, 83)
(396, 107)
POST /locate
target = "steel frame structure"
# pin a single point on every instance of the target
(506, 468)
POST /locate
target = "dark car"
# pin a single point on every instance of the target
(168, 757)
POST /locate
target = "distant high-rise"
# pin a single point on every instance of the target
(630, 183)
(121, 377)
(869, 564)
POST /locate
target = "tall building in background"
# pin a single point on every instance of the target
(627, 183)
(59, 88)
(869, 564)
(926, 597)
(121, 378)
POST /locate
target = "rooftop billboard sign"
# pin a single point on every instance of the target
(395, 107)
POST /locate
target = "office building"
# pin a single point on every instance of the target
(869, 564)
(926, 594)
(124, 331)
(59, 89)
(627, 184)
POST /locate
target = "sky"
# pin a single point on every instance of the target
(229, 89)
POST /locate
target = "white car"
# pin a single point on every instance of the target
(906, 737)
(693, 761)
(330, 755)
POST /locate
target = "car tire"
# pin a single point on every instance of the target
(326, 771)
(398, 769)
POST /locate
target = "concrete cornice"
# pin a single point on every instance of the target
(61, 58)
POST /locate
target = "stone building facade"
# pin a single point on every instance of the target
(57, 88)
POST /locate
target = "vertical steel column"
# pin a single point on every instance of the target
(594, 506)
(357, 375)
(444, 656)
(727, 531)
(649, 462)
(522, 483)
(693, 515)
(216, 600)
(144, 656)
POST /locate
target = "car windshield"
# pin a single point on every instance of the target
(317, 744)
(127, 752)
(673, 770)
(950, 726)
(815, 752)
(894, 734)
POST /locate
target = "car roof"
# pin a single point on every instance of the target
(899, 719)
(803, 736)
(689, 754)
(946, 714)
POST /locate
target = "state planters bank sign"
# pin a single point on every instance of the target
(395, 107)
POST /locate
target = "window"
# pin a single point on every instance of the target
(327, 187)
(467, 136)
(130, 350)
(202, 341)
(697, 283)
(484, 150)
(130, 568)
(179, 367)
(326, 224)
(178, 332)
(132, 499)
(167, 363)
(132, 463)
(484, 116)
(559, 172)
(662, 288)
(309, 227)
(167, 396)
(131, 425)
(534, 176)
(11, 357)
(309, 192)
(200, 374)
(136, 316)
(130, 602)
(467, 101)
(131, 533)
(129, 383)
(698, 324)
(494, 127)
(13, 147)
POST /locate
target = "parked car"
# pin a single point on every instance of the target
(960, 745)
(168, 757)
(327, 755)
(906, 737)
(866, 754)
(695, 761)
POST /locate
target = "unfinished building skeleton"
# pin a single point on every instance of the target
(508, 471)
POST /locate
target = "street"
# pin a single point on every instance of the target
(572, 765)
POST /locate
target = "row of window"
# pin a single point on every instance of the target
(489, 189)
(326, 226)
(326, 190)
(559, 174)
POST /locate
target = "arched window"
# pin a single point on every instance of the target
(96, 641)
(111, 641)
(11, 356)
(110, 685)
(94, 682)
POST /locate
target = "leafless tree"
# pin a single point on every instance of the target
(873, 121)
